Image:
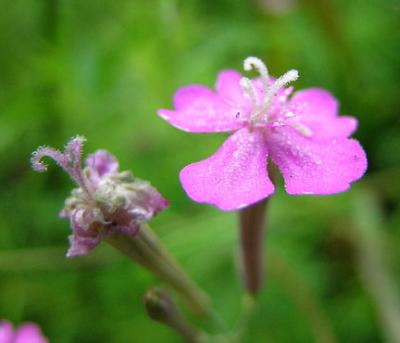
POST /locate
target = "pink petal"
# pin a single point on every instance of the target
(29, 333)
(199, 109)
(317, 109)
(100, 164)
(234, 177)
(312, 167)
(6, 332)
(319, 102)
(228, 87)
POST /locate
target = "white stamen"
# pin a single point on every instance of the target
(262, 107)
(254, 62)
(250, 90)
(290, 76)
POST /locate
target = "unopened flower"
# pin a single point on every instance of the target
(105, 201)
(302, 134)
(26, 333)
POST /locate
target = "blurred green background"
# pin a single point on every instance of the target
(101, 69)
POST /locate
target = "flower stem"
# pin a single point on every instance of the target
(147, 250)
(252, 220)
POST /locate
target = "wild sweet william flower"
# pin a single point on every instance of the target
(106, 199)
(26, 333)
(301, 134)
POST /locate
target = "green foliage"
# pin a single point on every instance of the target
(101, 69)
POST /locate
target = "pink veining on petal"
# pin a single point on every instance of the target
(318, 110)
(312, 167)
(29, 333)
(234, 177)
(199, 109)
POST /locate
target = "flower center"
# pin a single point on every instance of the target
(262, 96)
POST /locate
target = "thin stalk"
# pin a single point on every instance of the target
(374, 270)
(252, 220)
(147, 250)
(252, 223)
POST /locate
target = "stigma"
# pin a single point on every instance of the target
(262, 100)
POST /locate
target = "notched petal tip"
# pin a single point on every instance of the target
(318, 109)
(348, 125)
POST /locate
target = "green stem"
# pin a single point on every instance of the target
(372, 264)
(147, 250)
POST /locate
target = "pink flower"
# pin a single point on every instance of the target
(302, 134)
(26, 333)
(106, 199)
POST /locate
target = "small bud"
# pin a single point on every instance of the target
(161, 308)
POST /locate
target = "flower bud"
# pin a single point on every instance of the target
(161, 308)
